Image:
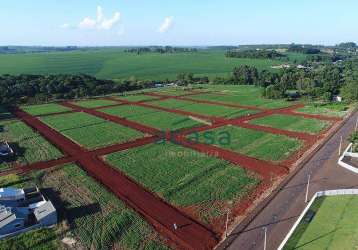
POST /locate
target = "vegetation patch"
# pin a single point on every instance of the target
(292, 123)
(184, 177)
(95, 103)
(331, 109)
(29, 147)
(90, 131)
(203, 109)
(44, 109)
(258, 144)
(151, 117)
(241, 95)
(333, 225)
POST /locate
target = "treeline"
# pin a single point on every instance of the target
(160, 50)
(304, 49)
(323, 82)
(255, 54)
(40, 88)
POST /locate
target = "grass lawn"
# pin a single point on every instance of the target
(44, 109)
(90, 131)
(136, 98)
(95, 103)
(173, 91)
(292, 123)
(334, 225)
(154, 118)
(203, 109)
(182, 176)
(261, 145)
(90, 214)
(29, 146)
(333, 109)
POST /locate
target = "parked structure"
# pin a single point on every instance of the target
(22, 210)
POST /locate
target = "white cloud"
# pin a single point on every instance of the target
(100, 23)
(166, 25)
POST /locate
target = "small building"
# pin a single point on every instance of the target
(24, 209)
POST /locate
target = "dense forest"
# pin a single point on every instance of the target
(41, 88)
(160, 50)
(255, 54)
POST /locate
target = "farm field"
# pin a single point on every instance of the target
(94, 103)
(90, 131)
(292, 123)
(44, 109)
(253, 143)
(203, 109)
(30, 147)
(88, 213)
(241, 94)
(135, 98)
(332, 227)
(114, 63)
(158, 119)
(186, 178)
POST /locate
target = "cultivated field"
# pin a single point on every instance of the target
(256, 144)
(292, 123)
(155, 118)
(186, 178)
(113, 63)
(90, 131)
(44, 109)
(95, 103)
(334, 225)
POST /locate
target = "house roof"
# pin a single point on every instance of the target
(44, 210)
(6, 216)
(11, 193)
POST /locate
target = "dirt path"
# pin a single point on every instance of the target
(285, 207)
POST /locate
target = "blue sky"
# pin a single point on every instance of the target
(176, 22)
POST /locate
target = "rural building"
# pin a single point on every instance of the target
(24, 209)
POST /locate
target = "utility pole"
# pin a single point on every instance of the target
(227, 222)
(308, 186)
(265, 240)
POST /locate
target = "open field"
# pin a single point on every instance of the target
(87, 212)
(90, 131)
(203, 109)
(292, 123)
(253, 143)
(113, 63)
(30, 147)
(338, 110)
(95, 103)
(241, 94)
(44, 109)
(135, 98)
(334, 225)
(184, 177)
(158, 119)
